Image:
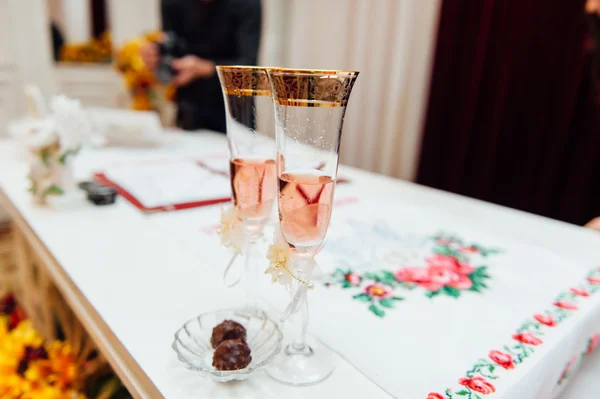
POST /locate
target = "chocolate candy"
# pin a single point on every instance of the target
(233, 354)
(227, 330)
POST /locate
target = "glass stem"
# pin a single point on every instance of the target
(299, 343)
(251, 270)
(304, 266)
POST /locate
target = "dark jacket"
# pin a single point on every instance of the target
(226, 32)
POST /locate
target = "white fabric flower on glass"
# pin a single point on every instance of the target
(279, 256)
(231, 230)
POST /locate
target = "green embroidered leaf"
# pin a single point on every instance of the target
(462, 393)
(444, 250)
(362, 297)
(346, 284)
(388, 278)
(388, 275)
(372, 276)
(397, 298)
(339, 271)
(475, 288)
(480, 271)
(453, 292)
(376, 311)
(386, 303)
(431, 294)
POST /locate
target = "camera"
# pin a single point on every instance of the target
(171, 48)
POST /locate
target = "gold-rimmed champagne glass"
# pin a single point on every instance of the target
(309, 113)
(251, 141)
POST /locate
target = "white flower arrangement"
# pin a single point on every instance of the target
(51, 143)
(72, 124)
(231, 230)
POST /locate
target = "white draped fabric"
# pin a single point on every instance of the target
(391, 42)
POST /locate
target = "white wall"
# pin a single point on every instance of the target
(25, 55)
(132, 18)
(77, 20)
(391, 43)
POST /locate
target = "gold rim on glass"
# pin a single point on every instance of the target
(311, 87)
(302, 71)
(240, 80)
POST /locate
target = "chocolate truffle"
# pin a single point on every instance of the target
(233, 354)
(227, 330)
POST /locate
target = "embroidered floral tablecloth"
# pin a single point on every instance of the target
(433, 299)
(431, 305)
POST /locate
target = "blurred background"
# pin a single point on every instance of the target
(494, 99)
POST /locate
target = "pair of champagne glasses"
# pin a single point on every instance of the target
(284, 128)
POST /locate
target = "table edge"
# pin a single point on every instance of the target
(128, 370)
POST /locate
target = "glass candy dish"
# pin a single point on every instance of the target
(193, 348)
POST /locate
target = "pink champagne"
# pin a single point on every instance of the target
(305, 201)
(253, 187)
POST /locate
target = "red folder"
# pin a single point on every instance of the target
(102, 179)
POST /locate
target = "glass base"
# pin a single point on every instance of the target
(300, 367)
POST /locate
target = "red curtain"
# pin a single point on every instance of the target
(513, 117)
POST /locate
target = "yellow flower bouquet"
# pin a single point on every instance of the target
(31, 368)
(95, 51)
(146, 92)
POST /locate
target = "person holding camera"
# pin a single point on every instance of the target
(198, 35)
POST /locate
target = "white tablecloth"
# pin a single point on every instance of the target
(147, 274)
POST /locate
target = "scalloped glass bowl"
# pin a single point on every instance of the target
(192, 342)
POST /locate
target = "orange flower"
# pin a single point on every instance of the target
(141, 102)
(63, 364)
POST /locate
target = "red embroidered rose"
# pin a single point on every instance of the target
(378, 291)
(593, 343)
(478, 384)
(440, 276)
(594, 280)
(545, 319)
(527, 338)
(566, 305)
(579, 292)
(433, 395)
(352, 278)
(450, 263)
(412, 275)
(503, 359)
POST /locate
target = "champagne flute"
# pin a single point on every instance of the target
(250, 136)
(309, 113)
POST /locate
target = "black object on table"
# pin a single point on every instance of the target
(99, 194)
